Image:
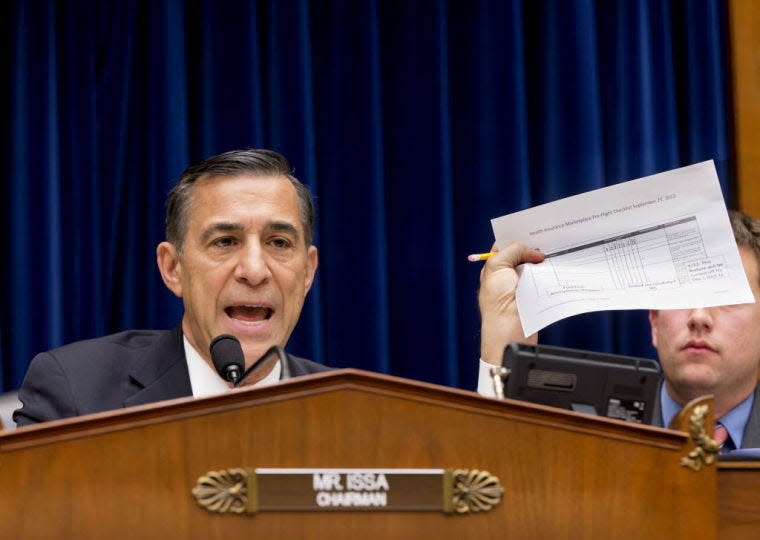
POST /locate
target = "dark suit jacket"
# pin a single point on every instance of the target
(120, 370)
(751, 438)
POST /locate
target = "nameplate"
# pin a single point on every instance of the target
(249, 491)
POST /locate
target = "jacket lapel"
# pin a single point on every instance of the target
(161, 373)
(751, 438)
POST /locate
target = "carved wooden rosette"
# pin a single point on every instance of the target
(223, 491)
(474, 491)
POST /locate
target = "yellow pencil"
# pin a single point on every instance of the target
(479, 256)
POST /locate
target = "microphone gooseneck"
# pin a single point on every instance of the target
(273, 350)
(228, 358)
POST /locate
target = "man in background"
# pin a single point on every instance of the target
(238, 253)
(702, 351)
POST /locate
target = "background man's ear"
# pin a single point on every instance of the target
(653, 314)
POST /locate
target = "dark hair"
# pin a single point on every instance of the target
(746, 232)
(257, 162)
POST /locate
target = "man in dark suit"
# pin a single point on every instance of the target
(238, 253)
(716, 351)
(702, 351)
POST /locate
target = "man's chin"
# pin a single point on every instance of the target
(695, 382)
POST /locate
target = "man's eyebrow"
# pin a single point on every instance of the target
(284, 227)
(221, 227)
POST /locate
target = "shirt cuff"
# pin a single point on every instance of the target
(485, 382)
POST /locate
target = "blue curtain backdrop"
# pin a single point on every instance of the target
(414, 123)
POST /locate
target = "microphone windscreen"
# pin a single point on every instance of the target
(226, 352)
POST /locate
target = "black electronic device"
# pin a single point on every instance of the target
(615, 386)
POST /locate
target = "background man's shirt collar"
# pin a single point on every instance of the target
(734, 420)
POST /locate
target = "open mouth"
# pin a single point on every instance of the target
(249, 313)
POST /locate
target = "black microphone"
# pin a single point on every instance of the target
(228, 357)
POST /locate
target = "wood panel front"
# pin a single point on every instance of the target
(744, 21)
(738, 501)
(565, 475)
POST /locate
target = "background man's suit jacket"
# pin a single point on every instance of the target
(121, 370)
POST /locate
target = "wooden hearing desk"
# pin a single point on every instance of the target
(131, 473)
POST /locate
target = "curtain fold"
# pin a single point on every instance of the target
(414, 123)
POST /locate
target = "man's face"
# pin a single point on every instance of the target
(711, 350)
(244, 267)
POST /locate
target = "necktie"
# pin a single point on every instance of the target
(720, 435)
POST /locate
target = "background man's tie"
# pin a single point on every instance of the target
(720, 435)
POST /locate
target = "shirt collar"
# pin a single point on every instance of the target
(734, 420)
(205, 381)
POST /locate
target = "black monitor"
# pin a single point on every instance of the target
(622, 387)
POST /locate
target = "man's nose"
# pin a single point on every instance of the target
(700, 319)
(252, 265)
